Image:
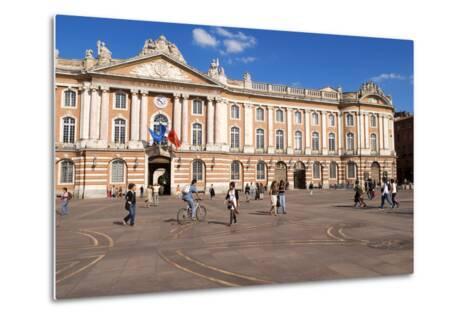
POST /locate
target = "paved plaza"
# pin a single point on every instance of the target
(322, 237)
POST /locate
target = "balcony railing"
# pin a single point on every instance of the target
(284, 89)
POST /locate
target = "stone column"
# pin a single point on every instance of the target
(307, 140)
(85, 113)
(289, 133)
(94, 125)
(144, 116)
(135, 120)
(270, 130)
(360, 132)
(176, 115)
(385, 132)
(221, 125)
(185, 121)
(367, 135)
(379, 139)
(210, 122)
(248, 142)
(340, 133)
(104, 116)
(323, 132)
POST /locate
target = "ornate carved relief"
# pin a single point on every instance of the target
(160, 70)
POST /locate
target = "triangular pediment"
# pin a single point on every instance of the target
(156, 67)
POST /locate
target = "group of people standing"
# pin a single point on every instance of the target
(388, 191)
(114, 192)
(254, 191)
(277, 193)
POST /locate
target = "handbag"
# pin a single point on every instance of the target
(278, 204)
(127, 205)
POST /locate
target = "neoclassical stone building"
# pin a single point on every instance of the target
(231, 130)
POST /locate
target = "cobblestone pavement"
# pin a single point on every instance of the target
(322, 237)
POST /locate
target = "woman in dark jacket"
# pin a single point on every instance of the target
(130, 205)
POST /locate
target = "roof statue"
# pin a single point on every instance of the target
(104, 54)
(217, 72)
(370, 87)
(162, 45)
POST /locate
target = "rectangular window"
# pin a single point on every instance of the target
(67, 172)
(197, 107)
(117, 172)
(120, 101)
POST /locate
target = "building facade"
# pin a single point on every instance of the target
(404, 143)
(231, 130)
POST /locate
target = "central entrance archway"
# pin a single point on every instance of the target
(159, 172)
(280, 172)
(375, 173)
(299, 175)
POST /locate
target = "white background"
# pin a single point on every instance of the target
(441, 285)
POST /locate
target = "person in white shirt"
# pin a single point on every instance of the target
(395, 202)
(65, 198)
(385, 187)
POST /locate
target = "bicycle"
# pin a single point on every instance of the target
(185, 214)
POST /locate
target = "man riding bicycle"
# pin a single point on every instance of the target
(188, 198)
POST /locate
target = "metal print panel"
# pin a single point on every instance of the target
(196, 157)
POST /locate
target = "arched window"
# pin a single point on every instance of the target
(70, 98)
(67, 172)
(197, 107)
(350, 142)
(119, 129)
(351, 170)
(196, 134)
(331, 142)
(373, 120)
(331, 120)
(316, 170)
(298, 141)
(315, 141)
(120, 100)
(118, 171)
(260, 170)
(350, 120)
(235, 170)
(259, 138)
(279, 140)
(333, 170)
(373, 143)
(259, 114)
(235, 137)
(198, 170)
(235, 111)
(298, 117)
(68, 130)
(279, 116)
(315, 118)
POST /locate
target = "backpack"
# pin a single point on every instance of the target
(69, 195)
(186, 189)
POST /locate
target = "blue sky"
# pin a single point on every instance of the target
(299, 59)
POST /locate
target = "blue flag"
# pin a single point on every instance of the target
(158, 136)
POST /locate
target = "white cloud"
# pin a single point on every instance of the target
(203, 38)
(235, 42)
(388, 76)
(246, 59)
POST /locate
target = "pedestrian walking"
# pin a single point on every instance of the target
(120, 192)
(394, 200)
(262, 190)
(282, 196)
(252, 191)
(141, 191)
(114, 191)
(156, 195)
(273, 196)
(149, 196)
(232, 200)
(247, 193)
(257, 191)
(359, 191)
(130, 205)
(385, 188)
(109, 193)
(212, 191)
(178, 192)
(311, 188)
(65, 198)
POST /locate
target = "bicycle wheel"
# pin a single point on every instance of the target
(201, 213)
(182, 216)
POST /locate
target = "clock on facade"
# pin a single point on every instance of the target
(160, 101)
